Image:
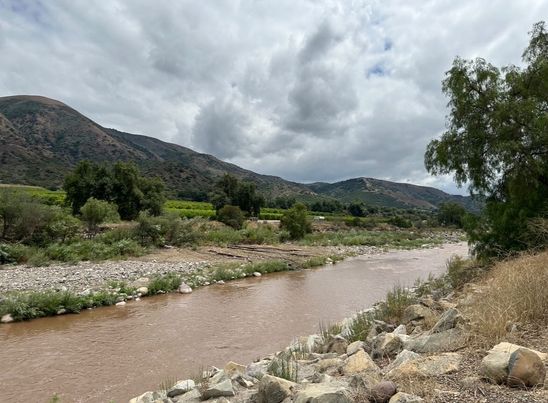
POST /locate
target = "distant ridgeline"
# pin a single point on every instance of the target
(42, 139)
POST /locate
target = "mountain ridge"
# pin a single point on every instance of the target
(42, 139)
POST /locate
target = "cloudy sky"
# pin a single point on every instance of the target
(310, 90)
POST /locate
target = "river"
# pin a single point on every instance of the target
(115, 353)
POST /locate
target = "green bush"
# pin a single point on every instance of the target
(165, 283)
(391, 310)
(95, 212)
(231, 216)
(296, 221)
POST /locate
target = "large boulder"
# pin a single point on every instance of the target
(494, 367)
(386, 345)
(223, 388)
(193, 396)
(525, 369)
(359, 362)
(7, 318)
(337, 344)
(403, 357)
(323, 393)
(401, 397)
(448, 340)
(148, 397)
(181, 387)
(274, 390)
(354, 347)
(417, 312)
(448, 320)
(184, 289)
(233, 369)
(509, 348)
(424, 367)
(329, 363)
(383, 391)
(514, 365)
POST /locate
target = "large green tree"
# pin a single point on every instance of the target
(121, 184)
(497, 143)
(230, 191)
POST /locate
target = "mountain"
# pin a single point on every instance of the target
(391, 194)
(42, 139)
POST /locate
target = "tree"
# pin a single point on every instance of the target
(121, 184)
(497, 143)
(96, 212)
(451, 214)
(356, 209)
(296, 221)
(230, 191)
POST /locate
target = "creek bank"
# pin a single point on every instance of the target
(426, 357)
(156, 278)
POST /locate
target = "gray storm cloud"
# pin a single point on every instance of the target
(310, 91)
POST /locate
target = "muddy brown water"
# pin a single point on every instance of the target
(115, 353)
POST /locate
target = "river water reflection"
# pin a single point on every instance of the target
(116, 353)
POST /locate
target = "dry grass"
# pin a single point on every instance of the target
(514, 292)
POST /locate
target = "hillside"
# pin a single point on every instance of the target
(392, 194)
(42, 139)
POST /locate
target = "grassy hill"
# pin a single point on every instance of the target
(41, 139)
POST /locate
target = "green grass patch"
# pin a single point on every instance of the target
(166, 283)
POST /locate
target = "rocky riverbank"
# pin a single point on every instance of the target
(86, 275)
(429, 355)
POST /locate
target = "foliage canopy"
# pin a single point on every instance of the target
(497, 143)
(121, 184)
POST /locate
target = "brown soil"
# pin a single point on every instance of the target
(241, 253)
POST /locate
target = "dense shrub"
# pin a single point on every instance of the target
(231, 216)
(95, 212)
(296, 221)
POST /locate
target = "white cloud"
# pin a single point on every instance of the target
(311, 90)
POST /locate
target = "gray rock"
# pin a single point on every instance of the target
(359, 362)
(449, 340)
(354, 347)
(400, 330)
(7, 318)
(417, 312)
(223, 388)
(401, 397)
(181, 387)
(323, 393)
(448, 320)
(142, 290)
(386, 345)
(403, 357)
(193, 396)
(494, 367)
(337, 345)
(424, 367)
(274, 390)
(121, 303)
(148, 397)
(383, 391)
(257, 369)
(256, 274)
(184, 289)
